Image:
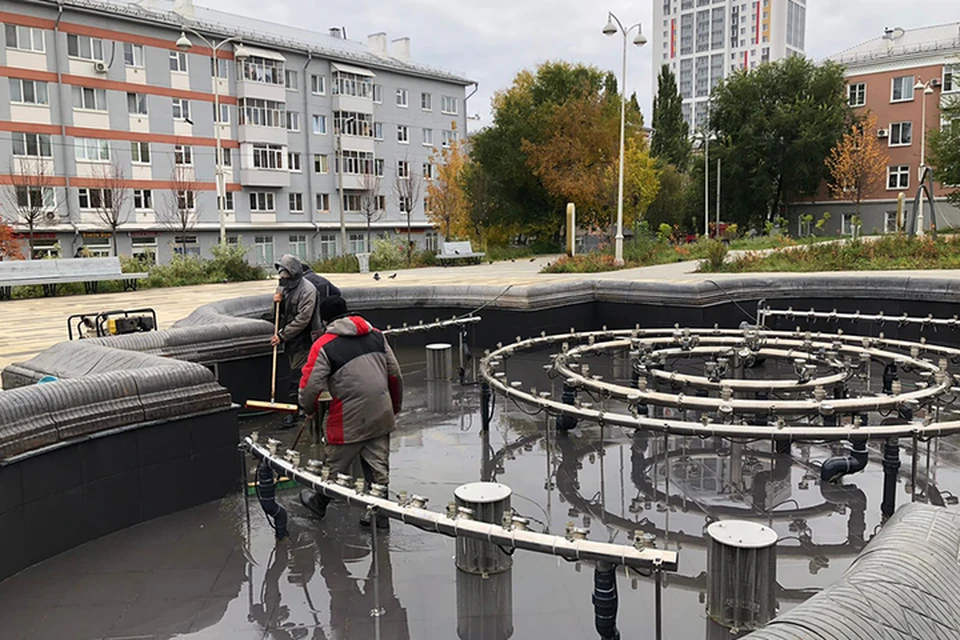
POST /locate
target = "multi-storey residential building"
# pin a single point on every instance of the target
(96, 88)
(894, 76)
(703, 41)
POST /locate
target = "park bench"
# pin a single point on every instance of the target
(453, 252)
(51, 273)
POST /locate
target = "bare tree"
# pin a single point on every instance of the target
(370, 201)
(110, 197)
(31, 193)
(180, 209)
(407, 186)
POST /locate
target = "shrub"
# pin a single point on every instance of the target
(592, 262)
(230, 264)
(387, 254)
(716, 256)
(340, 264)
(181, 271)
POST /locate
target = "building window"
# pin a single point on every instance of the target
(318, 85)
(378, 167)
(133, 54)
(378, 130)
(144, 249)
(323, 202)
(35, 197)
(262, 201)
(97, 247)
(91, 149)
(402, 98)
(403, 134)
(293, 161)
(428, 170)
(403, 169)
(949, 78)
(178, 61)
(35, 145)
(291, 79)
(352, 84)
(84, 47)
(267, 156)
(226, 157)
(327, 246)
(901, 134)
(181, 109)
(857, 94)
(449, 105)
(87, 98)
(890, 222)
(378, 93)
(449, 137)
(404, 204)
(293, 121)
(182, 154)
(142, 199)
(262, 113)
(320, 125)
(428, 137)
(321, 163)
(846, 224)
(357, 162)
(28, 91)
(358, 243)
(262, 70)
(352, 202)
(296, 202)
(898, 177)
(186, 200)
(140, 152)
(224, 113)
(902, 90)
(263, 249)
(137, 104)
(95, 198)
(226, 201)
(298, 246)
(25, 38)
(353, 124)
(432, 240)
(219, 68)
(426, 101)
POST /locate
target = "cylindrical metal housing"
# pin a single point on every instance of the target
(488, 500)
(742, 574)
(439, 362)
(484, 606)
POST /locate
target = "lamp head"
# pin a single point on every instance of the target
(183, 42)
(928, 90)
(611, 27)
(918, 86)
(640, 40)
(240, 52)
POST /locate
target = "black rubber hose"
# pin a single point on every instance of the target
(835, 468)
(605, 600)
(267, 494)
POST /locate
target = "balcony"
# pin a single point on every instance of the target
(264, 177)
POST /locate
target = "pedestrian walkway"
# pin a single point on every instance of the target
(27, 327)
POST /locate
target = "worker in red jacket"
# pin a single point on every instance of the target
(354, 363)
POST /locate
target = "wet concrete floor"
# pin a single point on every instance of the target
(216, 572)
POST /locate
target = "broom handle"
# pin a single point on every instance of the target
(273, 374)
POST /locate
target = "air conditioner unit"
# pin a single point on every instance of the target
(50, 216)
(935, 82)
(882, 133)
(100, 67)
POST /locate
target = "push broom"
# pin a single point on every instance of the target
(273, 405)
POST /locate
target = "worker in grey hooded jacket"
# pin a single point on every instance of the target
(297, 297)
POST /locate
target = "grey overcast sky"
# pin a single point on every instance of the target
(490, 41)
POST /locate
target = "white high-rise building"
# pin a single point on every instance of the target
(703, 41)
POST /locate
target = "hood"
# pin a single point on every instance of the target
(291, 264)
(349, 326)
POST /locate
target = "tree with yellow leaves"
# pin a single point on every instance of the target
(448, 205)
(857, 164)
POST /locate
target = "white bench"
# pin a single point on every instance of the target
(457, 251)
(50, 273)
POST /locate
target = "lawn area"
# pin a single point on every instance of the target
(892, 252)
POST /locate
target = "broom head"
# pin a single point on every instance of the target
(263, 405)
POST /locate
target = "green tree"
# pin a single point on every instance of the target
(776, 124)
(671, 137)
(944, 153)
(670, 205)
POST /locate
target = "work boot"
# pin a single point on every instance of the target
(289, 421)
(315, 502)
(383, 522)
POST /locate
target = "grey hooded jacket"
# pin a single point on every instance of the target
(298, 310)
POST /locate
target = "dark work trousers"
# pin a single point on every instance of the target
(297, 352)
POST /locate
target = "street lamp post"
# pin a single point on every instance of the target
(705, 138)
(240, 54)
(343, 199)
(612, 27)
(927, 88)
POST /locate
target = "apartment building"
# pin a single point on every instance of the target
(896, 76)
(101, 94)
(703, 41)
